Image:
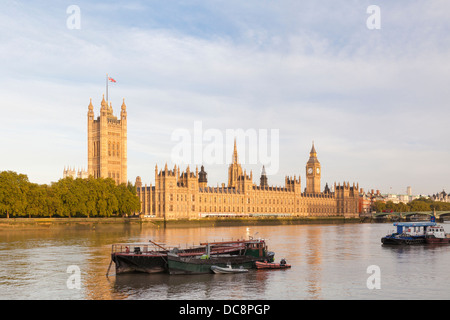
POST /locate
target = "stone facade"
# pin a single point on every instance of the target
(71, 172)
(186, 195)
(107, 143)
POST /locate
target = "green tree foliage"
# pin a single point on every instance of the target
(421, 204)
(379, 206)
(13, 193)
(66, 198)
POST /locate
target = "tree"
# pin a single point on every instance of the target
(13, 190)
(66, 198)
(420, 204)
(128, 201)
(390, 206)
(36, 200)
(379, 206)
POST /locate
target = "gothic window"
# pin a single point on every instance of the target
(109, 148)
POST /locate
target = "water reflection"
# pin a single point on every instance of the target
(313, 259)
(328, 262)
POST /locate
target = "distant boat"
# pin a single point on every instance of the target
(228, 269)
(408, 233)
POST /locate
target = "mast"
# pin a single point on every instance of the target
(107, 88)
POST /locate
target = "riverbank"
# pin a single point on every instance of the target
(8, 223)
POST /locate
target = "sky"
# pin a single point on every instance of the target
(374, 101)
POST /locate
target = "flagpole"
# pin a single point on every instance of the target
(107, 88)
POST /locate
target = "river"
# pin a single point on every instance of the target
(332, 261)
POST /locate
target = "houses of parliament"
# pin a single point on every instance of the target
(186, 195)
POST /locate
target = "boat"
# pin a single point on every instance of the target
(408, 233)
(151, 257)
(228, 269)
(203, 264)
(255, 250)
(272, 265)
(436, 234)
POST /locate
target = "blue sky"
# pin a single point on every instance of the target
(376, 102)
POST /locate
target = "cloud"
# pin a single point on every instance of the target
(315, 72)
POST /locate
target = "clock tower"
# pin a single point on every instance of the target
(313, 172)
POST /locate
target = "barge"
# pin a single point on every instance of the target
(152, 257)
(255, 250)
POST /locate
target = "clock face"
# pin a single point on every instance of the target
(318, 170)
(310, 170)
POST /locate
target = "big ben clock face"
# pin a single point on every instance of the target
(310, 170)
(318, 170)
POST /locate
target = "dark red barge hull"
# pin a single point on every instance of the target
(434, 240)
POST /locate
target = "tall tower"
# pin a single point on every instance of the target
(202, 178)
(313, 172)
(263, 180)
(107, 143)
(234, 170)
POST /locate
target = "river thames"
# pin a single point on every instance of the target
(329, 261)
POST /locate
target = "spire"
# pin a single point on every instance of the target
(104, 104)
(235, 155)
(91, 107)
(124, 106)
(313, 150)
(313, 155)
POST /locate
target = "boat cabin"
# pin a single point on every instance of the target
(437, 231)
(413, 228)
(256, 248)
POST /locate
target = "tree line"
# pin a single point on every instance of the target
(421, 204)
(67, 197)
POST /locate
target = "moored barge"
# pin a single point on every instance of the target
(153, 258)
(255, 250)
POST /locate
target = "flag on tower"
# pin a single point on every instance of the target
(111, 79)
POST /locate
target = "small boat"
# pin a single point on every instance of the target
(228, 269)
(272, 265)
(436, 234)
